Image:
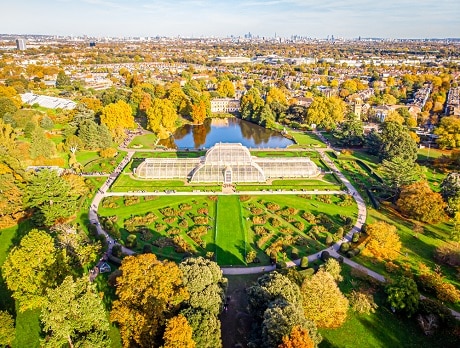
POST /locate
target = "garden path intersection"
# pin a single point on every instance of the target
(333, 250)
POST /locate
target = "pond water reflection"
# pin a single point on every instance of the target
(227, 130)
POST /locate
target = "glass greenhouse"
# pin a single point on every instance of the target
(227, 163)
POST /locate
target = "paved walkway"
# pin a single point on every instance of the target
(333, 250)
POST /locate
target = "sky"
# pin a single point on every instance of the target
(218, 18)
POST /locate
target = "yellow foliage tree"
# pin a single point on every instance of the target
(117, 116)
(276, 95)
(178, 333)
(199, 112)
(161, 116)
(384, 241)
(226, 89)
(92, 103)
(299, 338)
(323, 302)
(147, 291)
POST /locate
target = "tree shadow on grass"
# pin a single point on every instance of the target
(227, 258)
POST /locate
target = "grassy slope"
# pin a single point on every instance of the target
(230, 238)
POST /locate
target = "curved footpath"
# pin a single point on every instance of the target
(333, 250)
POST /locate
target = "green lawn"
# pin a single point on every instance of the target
(143, 141)
(307, 139)
(380, 329)
(431, 154)
(230, 236)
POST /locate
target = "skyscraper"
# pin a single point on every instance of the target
(21, 44)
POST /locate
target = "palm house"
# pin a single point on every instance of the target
(227, 163)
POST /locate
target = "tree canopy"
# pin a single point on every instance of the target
(73, 314)
(384, 242)
(403, 295)
(178, 333)
(298, 338)
(450, 192)
(448, 132)
(148, 290)
(419, 202)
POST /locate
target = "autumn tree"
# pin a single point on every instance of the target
(384, 242)
(161, 117)
(323, 302)
(41, 145)
(148, 290)
(7, 330)
(225, 89)
(178, 333)
(403, 295)
(326, 112)
(251, 105)
(31, 268)
(73, 314)
(332, 266)
(92, 103)
(362, 303)
(199, 112)
(448, 132)
(205, 326)
(298, 338)
(117, 116)
(419, 202)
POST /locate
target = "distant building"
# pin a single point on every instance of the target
(358, 107)
(21, 44)
(232, 60)
(303, 101)
(225, 105)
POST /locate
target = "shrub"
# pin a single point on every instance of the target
(131, 200)
(304, 262)
(448, 254)
(362, 303)
(364, 228)
(160, 227)
(131, 241)
(170, 220)
(275, 222)
(260, 230)
(116, 250)
(150, 198)
(110, 202)
(109, 152)
(273, 206)
(329, 239)
(256, 211)
(339, 233)
(200, 220)
(325, 256)
(185, 206)
(295, 253)
(244, 198)
(145, 234)
(183, 223)
(259, 220)
(202, 211)
(173, 231)
(309, 217)
(147, 249)
(251, 256)
(355, 237)
(324, 199)
(390, 267)
(299, 225)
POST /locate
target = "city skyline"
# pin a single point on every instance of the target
(195, 18)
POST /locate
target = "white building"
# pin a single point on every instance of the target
(21, 44)
(225, 105)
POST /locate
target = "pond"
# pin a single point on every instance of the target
(227, 130)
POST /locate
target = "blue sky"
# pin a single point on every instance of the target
(311, 18)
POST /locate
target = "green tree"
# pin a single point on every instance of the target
(74, 314)
(403, 295)
(450, 192)
(46, 123)
(7, 330)
(251, 105)
(62, 80)
(41, 145)
(332, 266)
(271, 287)
(395, 141)
(31, 268)
(448, 132)
(279, 320)
(51, 197)
(323, 302)
(206, 330)
(205, 284)
(148, 291)
(419, 202)
(399, 172)
(350, 132)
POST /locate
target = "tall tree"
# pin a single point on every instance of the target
(205, 284)
(350, 132)
(117, 116)
(384, 242)
(74, 315)
(419, 202)
(31, 268)
(205, 326)
(450, 192)
(399, 172)
(226, 88)
(323, 302)
(52, 197)
(251, 105)
(326, 112)
(199, 112)
(178, 333)
(395, 141)
(448, 132)
(161, 117)
(148, 290)
(41, 145)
